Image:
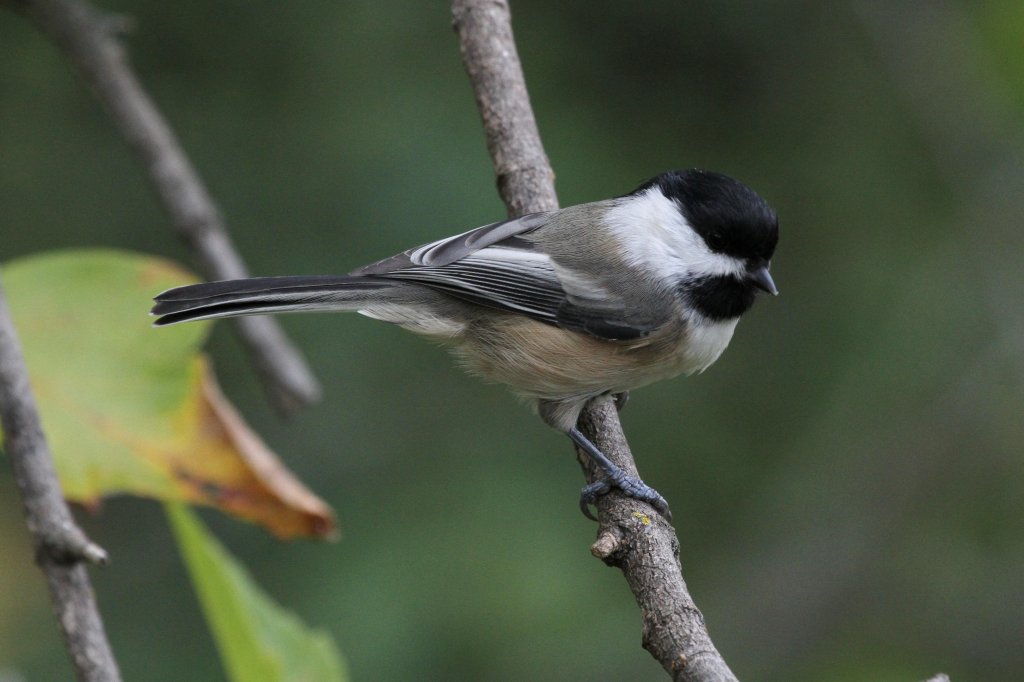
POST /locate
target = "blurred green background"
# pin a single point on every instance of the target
(846, 481)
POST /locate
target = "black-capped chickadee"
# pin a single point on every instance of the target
(562, 306)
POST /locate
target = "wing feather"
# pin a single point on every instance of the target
(451, 249)
(502, 266)
(495, 277)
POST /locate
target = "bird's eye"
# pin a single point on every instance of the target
(715, 241)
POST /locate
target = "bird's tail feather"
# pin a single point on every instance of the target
(269, 295)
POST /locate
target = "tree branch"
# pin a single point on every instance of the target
(525, 180)
(631, 536)
(61, 547)
(87, 37)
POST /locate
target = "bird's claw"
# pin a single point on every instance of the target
(589, 495)
(631, 487)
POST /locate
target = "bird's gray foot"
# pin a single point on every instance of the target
(620, 400)
(631, 486)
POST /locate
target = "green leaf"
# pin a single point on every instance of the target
(101, 379)
(129, 408)
(257, 639)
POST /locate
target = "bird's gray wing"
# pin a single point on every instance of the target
(499, 276)
(502, 266)
(450, 249)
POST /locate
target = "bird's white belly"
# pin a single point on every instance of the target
(705, 342)
(541, 361)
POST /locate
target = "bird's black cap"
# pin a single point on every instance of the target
(731, 218)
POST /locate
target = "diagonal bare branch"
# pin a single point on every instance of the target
(88, 39)
(631, 536)
(61, 547)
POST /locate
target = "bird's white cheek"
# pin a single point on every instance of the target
(653, 234)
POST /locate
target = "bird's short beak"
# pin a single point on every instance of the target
(763, 280)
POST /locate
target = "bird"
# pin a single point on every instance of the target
(562, 306)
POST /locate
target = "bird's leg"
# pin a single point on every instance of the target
(631, 486)
(620, 399)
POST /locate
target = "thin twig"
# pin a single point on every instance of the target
(88, 39)
(61, 547)
(631, 536)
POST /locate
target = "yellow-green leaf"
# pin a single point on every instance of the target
(256, 638)
(129, 408)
